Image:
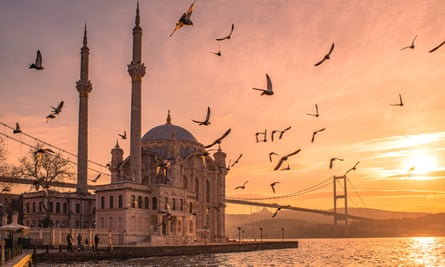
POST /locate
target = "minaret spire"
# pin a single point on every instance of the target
(136, 69)
(84, 88)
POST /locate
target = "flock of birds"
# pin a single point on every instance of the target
(261, 136)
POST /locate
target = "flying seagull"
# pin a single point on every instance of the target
(242, 186)
(316, 112)
(218, 53)
(50, 116)
(218, 141)
(207, 119)
(315, 133)
(264, 136)
(58, 109)
(437, 47)
(124, 135)
(228, 36)
(271, 154)
(17, 128)
(267, 91)
(327, 56)
(185, 19)
(284, 158)
(96, 178)
(331, 162)
(43, 151)
(283, 131)
(236, 161)
(412, 44)
(353, 168)
(38, 63)
(273, 186)
(400, 104)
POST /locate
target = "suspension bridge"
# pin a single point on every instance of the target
(337, 186)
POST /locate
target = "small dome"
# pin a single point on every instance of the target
(168, 131)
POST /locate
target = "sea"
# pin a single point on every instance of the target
(409, 251)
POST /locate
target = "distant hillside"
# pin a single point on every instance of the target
(301, 224)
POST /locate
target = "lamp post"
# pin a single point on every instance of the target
(239, 234)
(282, 234)
(261, 234)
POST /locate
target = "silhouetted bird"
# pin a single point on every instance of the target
(412, 44)
(58, 109)
(124, 135)
(437, 47)
(316, 112)
(286, 168)
(278, 209)
(284, 158)
(272, 134)
(315, 133)
(353, 168)
(331, 162)
(218, 141)
(6, 189)
(96, 178)
(273, 186)
(400, 104)
(410, 170)
(261, 133)
(267, 91)
(17, 128)
(38, 62)
(185, 19)
(283, 131)
(50, 116)
(327, 56)
(207, 119)
(237, 160)
(218, 53)
(271, 154)
(242, 186)
(228, 36)
(43, 151)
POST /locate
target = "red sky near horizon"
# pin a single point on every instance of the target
(366, 73)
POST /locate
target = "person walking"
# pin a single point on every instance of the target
(96, 242)
(69, 240)
(79, 242)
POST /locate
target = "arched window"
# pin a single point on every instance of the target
(139, 202)
(184, 182)
(197, 189)
(191, 208)
(154, 203)
(207, 191)
(146, 203)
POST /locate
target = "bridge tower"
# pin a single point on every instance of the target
(339, 196)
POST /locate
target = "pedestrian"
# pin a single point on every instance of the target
(69, 240)
(79, 242)
(96, 241)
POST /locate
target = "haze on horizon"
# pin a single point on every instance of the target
(353, 89)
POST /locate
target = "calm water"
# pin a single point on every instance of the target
(426, 251)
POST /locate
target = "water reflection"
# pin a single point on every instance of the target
(425, 251)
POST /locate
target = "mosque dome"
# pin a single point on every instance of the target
(168, 131)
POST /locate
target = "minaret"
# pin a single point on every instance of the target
(84, 87)
(136, 69)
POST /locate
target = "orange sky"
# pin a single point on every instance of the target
(353, 89)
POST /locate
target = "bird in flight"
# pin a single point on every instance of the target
(218, 141)
(96, 178)
(277, 210)
(38, 63)
(412, 44)
(437, 47)
(273, 186)
(267, 91)
(283, 131)
(228, 36)
(58, 109)
(241, 186)
(353, 167)
(185, 19)
(236, 161)
(284, 158)
(327, 56)
(261, 133)
(124, 135)
(43, 151)
(400, 104)
(271, 154)
(17, 128)
(218, 53)
(50, 116)
(207, 119)
(315, 133)
(316, 112)
(331, 162)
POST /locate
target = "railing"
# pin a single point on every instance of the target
(9, 253)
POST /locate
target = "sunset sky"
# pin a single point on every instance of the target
(284, 38)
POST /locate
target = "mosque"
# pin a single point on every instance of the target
(169, 190)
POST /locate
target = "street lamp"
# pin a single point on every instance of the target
(282, 234)
(261, 234)
(239, 234)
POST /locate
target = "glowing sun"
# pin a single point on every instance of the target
(420, 163)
